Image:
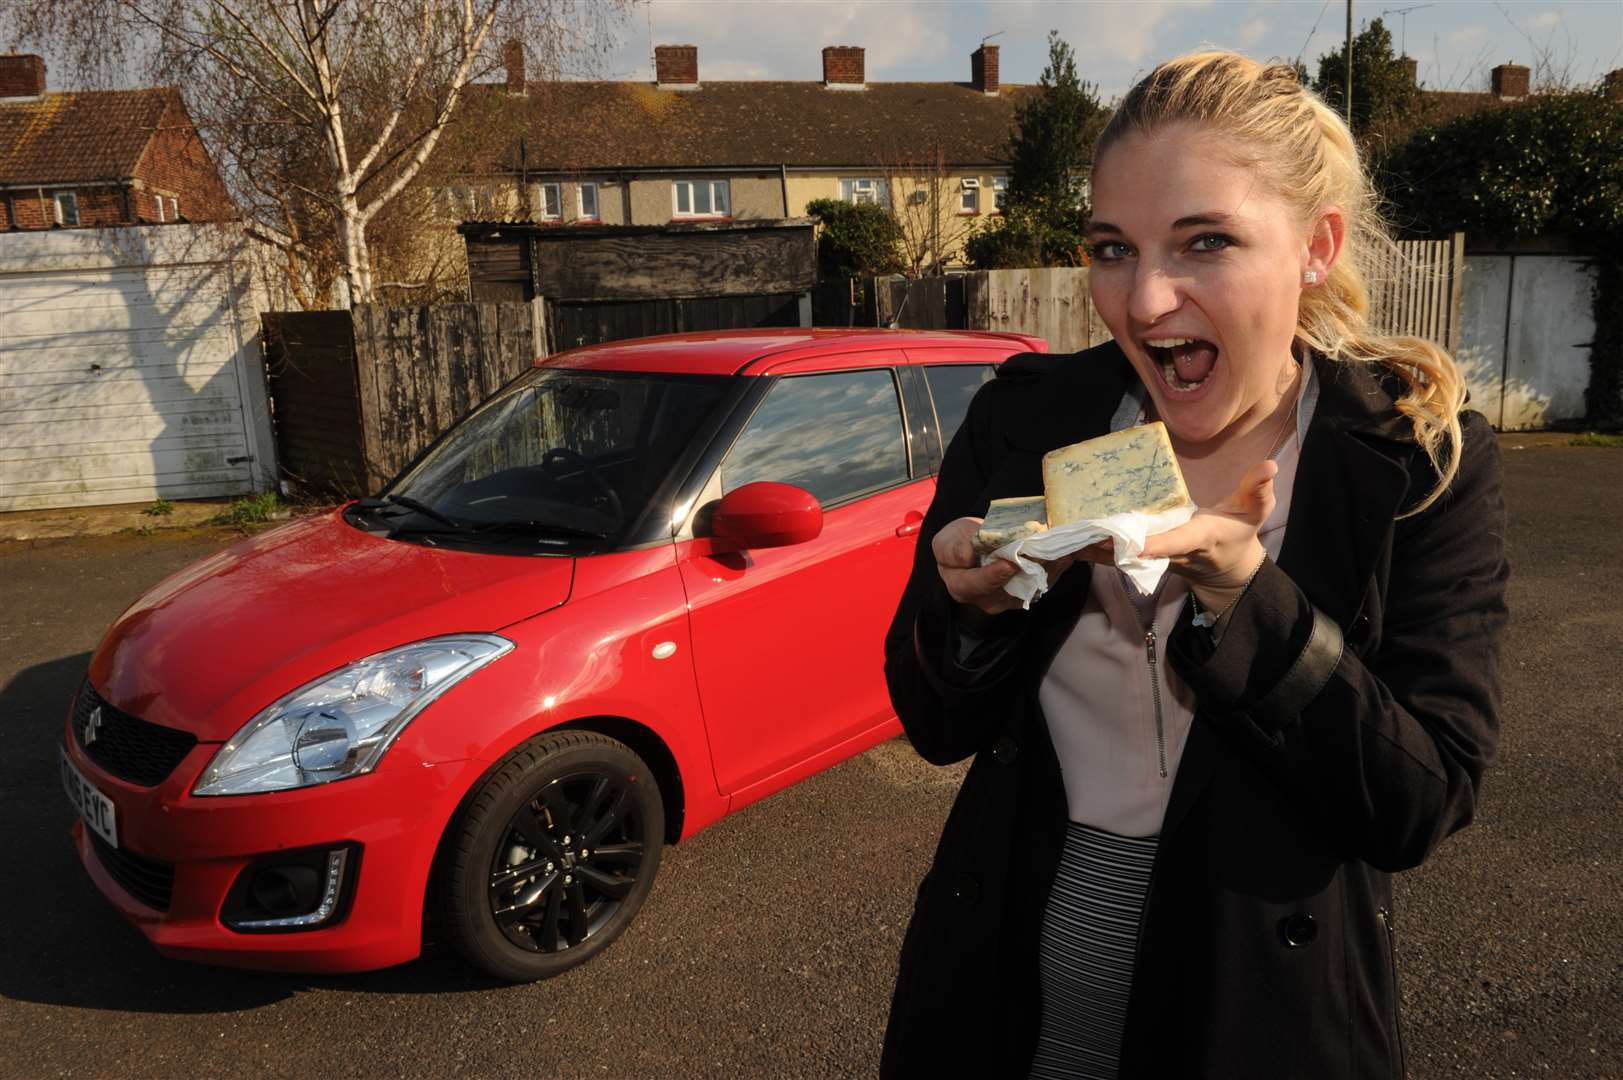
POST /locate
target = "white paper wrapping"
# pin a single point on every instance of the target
(1129, 531)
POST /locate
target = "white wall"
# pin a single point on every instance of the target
(1525, 325)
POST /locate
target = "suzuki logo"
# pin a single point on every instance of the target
(93, 726)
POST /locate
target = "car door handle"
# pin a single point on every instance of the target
(911, 524)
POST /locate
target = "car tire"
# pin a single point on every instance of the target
(550, 856)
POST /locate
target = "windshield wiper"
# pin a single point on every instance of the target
(415, 504)
(538, 526)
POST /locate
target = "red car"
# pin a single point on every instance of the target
(639, 588)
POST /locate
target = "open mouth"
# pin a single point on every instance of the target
(1185, 363)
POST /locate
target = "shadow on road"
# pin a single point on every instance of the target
(62, 944)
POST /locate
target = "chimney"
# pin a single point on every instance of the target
(983, 68)
(1412, 66)
(1510, 81)
(22, 76)
(843, 68)
(676, 67)
(513, 57)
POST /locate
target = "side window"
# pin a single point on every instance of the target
(837, 435)
(952, 386)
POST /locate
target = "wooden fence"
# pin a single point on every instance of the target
(357, 394)
(1417, 292)
(1417, 289)
(571, 324)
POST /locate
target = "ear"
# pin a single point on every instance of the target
(1324, 244)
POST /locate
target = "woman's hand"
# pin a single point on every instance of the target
(981, 587)
(1217, 550)
(967, 581)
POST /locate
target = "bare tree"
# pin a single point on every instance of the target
(925, 199)
(325, 111)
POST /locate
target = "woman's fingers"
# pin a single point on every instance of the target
(954, 545)
(1253, 499)
(967, 581)
(981, 586)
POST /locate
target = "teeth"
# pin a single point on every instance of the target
(1169, 371)
(1168, 343)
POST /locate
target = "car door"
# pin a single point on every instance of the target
(788, 642)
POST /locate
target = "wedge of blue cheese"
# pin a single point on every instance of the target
(1008, 520)
(1133, 469)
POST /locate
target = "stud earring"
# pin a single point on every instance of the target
(1310, 277)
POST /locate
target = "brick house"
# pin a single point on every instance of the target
(99, 157)
(682, 149)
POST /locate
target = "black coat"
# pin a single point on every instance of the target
(1267, 938)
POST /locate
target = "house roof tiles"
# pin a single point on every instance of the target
(573, 126)
(63, 138)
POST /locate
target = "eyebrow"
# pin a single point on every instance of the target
(1211, 218)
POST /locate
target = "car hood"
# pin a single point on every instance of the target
(212, 645)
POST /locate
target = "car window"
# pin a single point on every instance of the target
(566, 450)
(837, 435)
(952, 386)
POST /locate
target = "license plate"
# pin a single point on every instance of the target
(93, 806)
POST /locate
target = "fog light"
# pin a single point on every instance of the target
(287, 890)
(291, 891)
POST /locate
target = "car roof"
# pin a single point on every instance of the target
(731, 352)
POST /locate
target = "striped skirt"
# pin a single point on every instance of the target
(1090, 931)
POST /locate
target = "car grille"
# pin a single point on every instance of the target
(148, 880)
(126, 746)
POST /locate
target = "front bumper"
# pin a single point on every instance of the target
(394, 815)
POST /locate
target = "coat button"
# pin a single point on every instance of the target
(1299, 930)
(966, 890)
(1005, 750)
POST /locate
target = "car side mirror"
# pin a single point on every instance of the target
(765, 514)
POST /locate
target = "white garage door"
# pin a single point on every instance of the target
(121, 385)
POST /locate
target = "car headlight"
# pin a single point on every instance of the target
(340, 725)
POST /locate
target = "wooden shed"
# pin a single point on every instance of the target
(608, 282)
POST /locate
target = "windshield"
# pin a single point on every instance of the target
(560, 453)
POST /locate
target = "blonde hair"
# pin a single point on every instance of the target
(1304, 149)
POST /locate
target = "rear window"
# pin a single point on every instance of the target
(952, 386)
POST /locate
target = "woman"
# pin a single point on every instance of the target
(1171, 855)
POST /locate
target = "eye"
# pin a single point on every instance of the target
(1110, 250)
(1212, 242)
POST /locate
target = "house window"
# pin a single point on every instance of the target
(159, 200)
(174, 208)
(701, 198)
(1000, 193)
(969, 199)
(549, 202)
(864, 191)
(588, 203)
(67, 208)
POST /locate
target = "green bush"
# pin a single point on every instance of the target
(1022, 238)
(249, 511)
(1551, 165)
(855, 241)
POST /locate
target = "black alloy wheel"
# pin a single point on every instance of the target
(551, 857)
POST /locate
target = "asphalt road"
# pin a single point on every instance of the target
(768, 946)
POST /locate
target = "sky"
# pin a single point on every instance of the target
(1456, 42)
